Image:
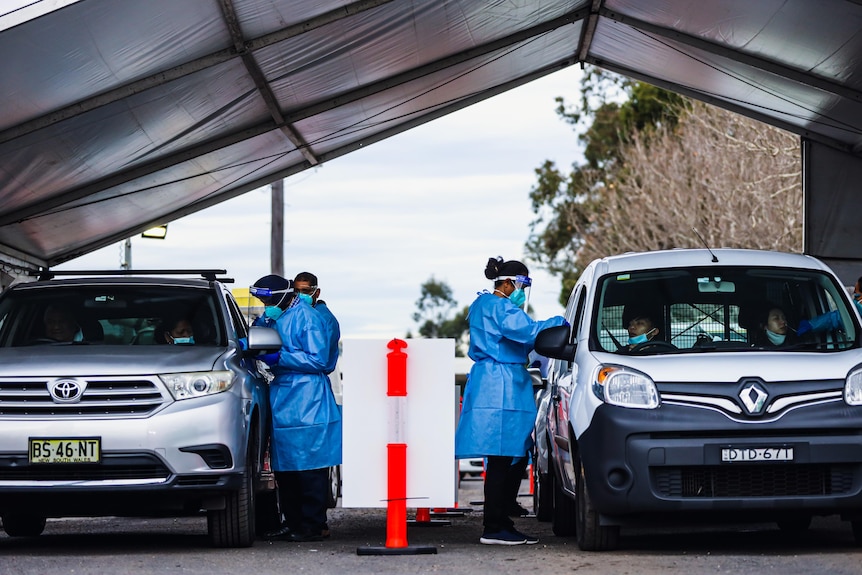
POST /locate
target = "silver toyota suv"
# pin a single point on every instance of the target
(114, 420)
(742, 401)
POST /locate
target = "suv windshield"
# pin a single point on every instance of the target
(721, 309)
(108, 315)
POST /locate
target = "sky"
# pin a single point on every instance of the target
(374, 225)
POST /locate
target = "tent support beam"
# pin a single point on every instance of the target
(260, 81)
(165, 76)
(739, 56)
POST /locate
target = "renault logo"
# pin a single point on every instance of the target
(67, 390)
(753, 396)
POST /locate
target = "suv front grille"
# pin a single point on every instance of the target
(112, 467)
(753, 481)
(111, 397)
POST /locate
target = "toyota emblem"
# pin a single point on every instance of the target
(67, 390)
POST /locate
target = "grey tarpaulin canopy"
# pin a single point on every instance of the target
(118, 115)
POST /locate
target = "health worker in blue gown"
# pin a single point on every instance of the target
(306, 422)
(499, 409)
(306, 286)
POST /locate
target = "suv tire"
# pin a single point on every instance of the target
(234, 525)
(591, 535)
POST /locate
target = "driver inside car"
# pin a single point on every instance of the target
(641, 330)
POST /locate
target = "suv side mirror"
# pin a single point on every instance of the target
(554, 342)
(263, 339)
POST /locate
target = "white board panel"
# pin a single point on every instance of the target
(429, 422)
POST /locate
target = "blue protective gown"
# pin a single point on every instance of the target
(334, 334)
(306, 421)
(263, 321)
(499, 411)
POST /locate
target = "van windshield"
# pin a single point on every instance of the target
(714, 309)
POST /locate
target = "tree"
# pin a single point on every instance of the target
(435, 315)
(656, 166)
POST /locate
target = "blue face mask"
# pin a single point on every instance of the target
(642, 338)
(858, 304)
(518, 297)
(273, 312)
(775, 338)
(184, 340)
(306, 298)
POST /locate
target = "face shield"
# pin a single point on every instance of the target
(522, 286)
(524, 283)
(268, 296)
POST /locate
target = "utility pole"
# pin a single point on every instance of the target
(276, 245)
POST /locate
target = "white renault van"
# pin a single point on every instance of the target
(714, 417)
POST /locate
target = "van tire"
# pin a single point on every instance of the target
(20, 525)
(543, 494)
(591, 535)
(563, 510)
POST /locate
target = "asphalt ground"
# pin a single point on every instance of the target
(130, 545)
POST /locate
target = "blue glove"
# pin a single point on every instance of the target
(269, 358)
(804, 327)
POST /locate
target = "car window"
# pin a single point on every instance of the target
(723, 309)
(109, 315)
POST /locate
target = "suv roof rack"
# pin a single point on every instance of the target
(207, 274)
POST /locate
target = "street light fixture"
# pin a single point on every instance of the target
(156, 233)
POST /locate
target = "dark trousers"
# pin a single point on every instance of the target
(502, 482)
(302, 496)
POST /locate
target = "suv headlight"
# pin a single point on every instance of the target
(625, 387)
(197, 384)
(853, 387)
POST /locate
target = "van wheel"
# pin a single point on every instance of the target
(591, 535)
(334, 486)
(17, 525)
(234, 525)
(563, 510)
(543, 502)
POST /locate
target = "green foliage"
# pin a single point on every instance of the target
(611, 109)
(435, 317)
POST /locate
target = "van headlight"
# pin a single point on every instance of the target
(625, 387)
(197, 384)
(853, 387)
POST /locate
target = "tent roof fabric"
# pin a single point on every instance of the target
(118, 116)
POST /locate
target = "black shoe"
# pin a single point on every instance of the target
(305, 537)
(282, 533)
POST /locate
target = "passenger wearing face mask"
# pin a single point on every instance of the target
(498, 410)
(175, 330)
(641, 329)
(772, 328)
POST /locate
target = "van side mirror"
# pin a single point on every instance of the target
(554, 342)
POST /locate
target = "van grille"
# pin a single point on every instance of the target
(108, 397)
(753, 481)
